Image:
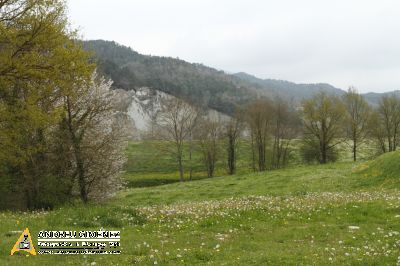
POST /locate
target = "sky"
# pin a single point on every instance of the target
(343, 43)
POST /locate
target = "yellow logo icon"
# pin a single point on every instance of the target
(24, 243)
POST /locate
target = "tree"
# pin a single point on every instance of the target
(386, 124)
(232, 130)
(96, 138)
(208, 135)
(193, 121)
(358, 114)
(259, 120)
(323, 118)
(40, 63)
(285, 127)
(175, 122)
(377, 130)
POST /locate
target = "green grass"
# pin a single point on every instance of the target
(150, 163)
(384, 169)
(335, 214)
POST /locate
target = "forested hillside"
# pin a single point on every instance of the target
(197, 83)
(194, 82)
(288, 89)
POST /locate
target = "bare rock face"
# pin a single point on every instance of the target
(142, 107)
(145, 105)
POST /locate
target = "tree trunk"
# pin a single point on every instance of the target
(231, 156)
(253, 153)
(260, 157)
(190, 157)
(82, 182)
(323, 153)
(261, 153)
(80, 172)
(180, 165)
(390, 141)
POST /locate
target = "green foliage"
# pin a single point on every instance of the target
(40, 63)
(323, 123)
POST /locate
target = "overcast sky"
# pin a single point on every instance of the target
(341, 42)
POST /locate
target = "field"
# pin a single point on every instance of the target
(337, 214)
(150, 163)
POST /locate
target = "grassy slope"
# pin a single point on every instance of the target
(278, 217)
(385, 169)
(291, 181)
(150, 163)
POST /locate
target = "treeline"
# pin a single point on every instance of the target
(60, 136)
(319, 126)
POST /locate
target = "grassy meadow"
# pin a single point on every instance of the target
(337, 214)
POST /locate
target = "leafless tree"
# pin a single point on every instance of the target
(259, 119)
(358, 113)
(232, 130)
(377, 130)
(387, 122)
(175, 123)
(208, 135)
(285, 127)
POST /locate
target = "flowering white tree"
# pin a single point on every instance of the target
(96, 137)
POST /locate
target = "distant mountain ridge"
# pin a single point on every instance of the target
(304, 91)
(197, 83)
(285, 88)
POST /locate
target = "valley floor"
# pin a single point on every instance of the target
(311, 215)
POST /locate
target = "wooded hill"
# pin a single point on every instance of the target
(195, 82)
